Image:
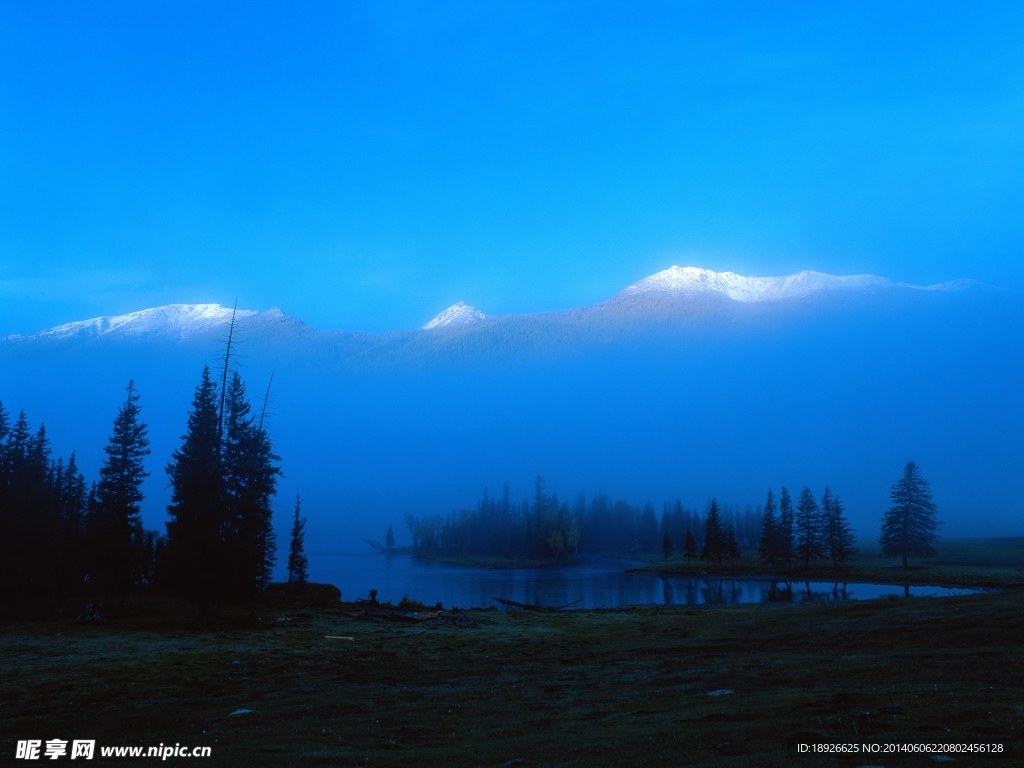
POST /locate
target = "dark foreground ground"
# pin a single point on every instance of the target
(321, 683)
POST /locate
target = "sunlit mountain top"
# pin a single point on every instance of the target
(875, 371)
(184, 319)
(693, 280)
(672, 287)
(457, 314)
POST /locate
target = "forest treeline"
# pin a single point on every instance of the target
(784, 534)
(65, 541)
(548, 529)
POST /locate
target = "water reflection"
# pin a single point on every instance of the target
(597, 584)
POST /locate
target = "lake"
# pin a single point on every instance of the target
(594, 584)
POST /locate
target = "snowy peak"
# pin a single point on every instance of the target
(694, 280)
(456, 315)
(672, 286)
(182, 320)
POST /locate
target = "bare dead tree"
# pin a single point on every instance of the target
(224, 375)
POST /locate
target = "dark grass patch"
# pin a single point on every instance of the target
(586, 688)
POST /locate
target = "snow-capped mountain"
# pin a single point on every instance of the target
(665, 388)
(183, 320)
(674, 295)
(694, 280)
(456, 315)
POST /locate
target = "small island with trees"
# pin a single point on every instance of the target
(791, 540)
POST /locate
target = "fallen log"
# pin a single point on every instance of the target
(412, 617)
(534, 607)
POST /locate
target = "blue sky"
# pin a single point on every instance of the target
(364, 165)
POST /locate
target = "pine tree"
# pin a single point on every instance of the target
(768, 544)
(71, 507)
(220, 542)
(909, 528)
(807, 525)
(690, 547)
(31, 530)
(666, 545)
(113, 525)
(839, 537)
(389, 538)
(194, 554)
(732, 549)
(298, 565)
(785, 528)
(714, 537)
(541, 505)
(250, 482)
(5, 428)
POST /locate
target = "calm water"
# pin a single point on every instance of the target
(597, 584)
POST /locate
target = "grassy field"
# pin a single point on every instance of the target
(321, 683)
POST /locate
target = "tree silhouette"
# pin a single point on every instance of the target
(909, 527)
(690, 547)
(839, 537)
(714, 537)
(70, 495)
(39, 566)
(113, 527)
(807, 528)
(785, 527)
(768, 544)
(250, 482)
(220, 542)
(197, 510)
(732, 548)
(298, 564)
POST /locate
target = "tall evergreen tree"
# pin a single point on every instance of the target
(113, 526)
(8, 518)
(70, 492)
(807, 528)
(785, 528)
(31, 530)
(298, 564)
(541, 507)
(839, 537)
(714, 536)
(690, 547)
(768, 544)
(220, 543)
(250, 482)
(732, 548)
(5, 428)
(909, 528)
(194, 553)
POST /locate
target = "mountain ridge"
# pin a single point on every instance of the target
(647, 394)
(672, 284)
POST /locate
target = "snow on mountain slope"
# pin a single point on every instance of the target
(181, 320)
(457, 314)
(648, 297)
(694, 280)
